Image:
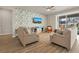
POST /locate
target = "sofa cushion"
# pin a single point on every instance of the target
(59, 32)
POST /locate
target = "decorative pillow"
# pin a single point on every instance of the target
(25, 29)
(29, 30)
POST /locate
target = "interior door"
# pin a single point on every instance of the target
(5, 22)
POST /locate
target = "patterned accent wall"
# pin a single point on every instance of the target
(24, 17)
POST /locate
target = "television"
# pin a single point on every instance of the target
(37, 20)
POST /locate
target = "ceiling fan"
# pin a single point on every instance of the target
(49, 8)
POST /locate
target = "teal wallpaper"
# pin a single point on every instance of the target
(24, 17)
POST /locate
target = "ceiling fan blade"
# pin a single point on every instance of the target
(50, 7)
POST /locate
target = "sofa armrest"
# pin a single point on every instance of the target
(58, 35)
(32, 35)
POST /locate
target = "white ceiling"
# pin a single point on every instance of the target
(42, 9)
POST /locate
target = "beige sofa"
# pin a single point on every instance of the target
(63, 39)
(25, 37)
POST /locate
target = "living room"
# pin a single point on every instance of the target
(42, 23)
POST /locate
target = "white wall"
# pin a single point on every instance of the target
(52, 21)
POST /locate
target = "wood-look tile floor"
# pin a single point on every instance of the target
(13, 45)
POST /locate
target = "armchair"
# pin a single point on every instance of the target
(26, 38)
(62, 39)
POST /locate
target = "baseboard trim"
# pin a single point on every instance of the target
(6, 34)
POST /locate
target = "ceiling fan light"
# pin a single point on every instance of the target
(48, 9)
